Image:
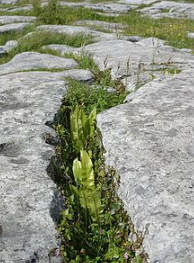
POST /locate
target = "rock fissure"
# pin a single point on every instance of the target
(148, 140)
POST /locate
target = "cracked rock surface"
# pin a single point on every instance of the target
(170, 9)
(30, 203)
(148, 140)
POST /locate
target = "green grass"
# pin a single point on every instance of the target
(4, 37)
(174, 31)
(38, 39)
(68, 15)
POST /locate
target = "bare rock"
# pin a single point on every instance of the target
(149, 141)
(30, 203)
(16, 19)
(138, 62)
(72, 30)
(13, 27)
(104, 7)
(35, 60)
(170, 9)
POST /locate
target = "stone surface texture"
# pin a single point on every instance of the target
(35, 60)
(170, 9)
(101, 25)
(29, 199)
(104, 7)
(16, 19)
(12, 27)
(72, 30)
(149, 140)
(138, 61)
(8, 1)
(30, 203)
(133, 62)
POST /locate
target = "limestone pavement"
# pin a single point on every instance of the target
(148, 140)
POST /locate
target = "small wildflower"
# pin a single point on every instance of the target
(58, 253)
(126, 256)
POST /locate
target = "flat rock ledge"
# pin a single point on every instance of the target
(149, 141)
(30, 203)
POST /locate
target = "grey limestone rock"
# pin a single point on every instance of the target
(2, 51)
(35, 60)
(8, 1)
(22, 8)
(16, 19)
(138, 2)
(62, 49)
(73, 30)
(8, 47)
(101, 25)
(191, 35)
(13, 27)
(30, 203)
(135, 63)
(172, 9)
(104, 7)
(138, 61)
(149, 141)
(79, 75)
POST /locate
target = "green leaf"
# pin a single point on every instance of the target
(87, 193)
(77, 171)
(87, 170)
(77, 134)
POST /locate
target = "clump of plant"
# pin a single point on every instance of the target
(94, 225)
(54, 13)
(36, 40)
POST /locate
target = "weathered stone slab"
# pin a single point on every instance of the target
(104, 7)
(135, 63)
(139, 61)
(21, 8)
(170, 9)
(16, 19)
(13, 27)
(35, 60)
(62, 49)
(29, 199)
(2, 51)
(78, 74)
(138, 2)
(8, 1)
(73, 30)
(191, 35)
(149, 141)
(101, 25)
(8, 47)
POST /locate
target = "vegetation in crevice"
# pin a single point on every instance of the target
(94, 225)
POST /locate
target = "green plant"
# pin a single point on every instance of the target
(173, 30)
(36, 7)
(94, 226)
(82, 129)
(36, 40)
(85, 188)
